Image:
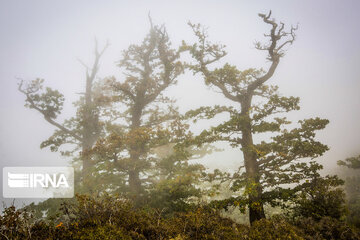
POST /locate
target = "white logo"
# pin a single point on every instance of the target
(38, 182)
(16, 180)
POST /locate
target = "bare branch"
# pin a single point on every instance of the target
(98, 55)
(274, 48)
(82, 63)
(206, 54)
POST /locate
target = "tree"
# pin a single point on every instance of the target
(142, 119)
(269, 166)
(352, 162)
(123, 128)
(352, 188)
(321, 197)
(82, 130)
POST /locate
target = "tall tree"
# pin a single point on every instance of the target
(82, 130)
(269, 166)
(141, 110)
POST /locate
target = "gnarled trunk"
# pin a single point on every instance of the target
(254, 189)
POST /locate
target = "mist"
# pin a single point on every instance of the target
(42, 39)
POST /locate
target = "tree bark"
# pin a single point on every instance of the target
(90, 120)
(254, 189)
(135, 152)
(134, 182)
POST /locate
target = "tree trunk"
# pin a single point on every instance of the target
(134, 182)
(254, 189)
(134, 174)
(90, 131)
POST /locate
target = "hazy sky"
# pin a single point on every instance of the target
(45, 38)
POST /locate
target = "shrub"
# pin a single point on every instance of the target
(326, 228)
(322, 197)
(276, 228)
(116, 218)
(205, 223)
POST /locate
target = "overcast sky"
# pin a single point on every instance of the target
(45, 38)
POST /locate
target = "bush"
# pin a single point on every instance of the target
(204, 223)
(16, 223)
(276, 228)
(327, 228)
(352, 186)
(116, 218)
(322, 197)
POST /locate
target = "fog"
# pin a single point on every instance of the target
(46, 39)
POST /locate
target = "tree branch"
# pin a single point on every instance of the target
(46, 117)
(275, 52)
